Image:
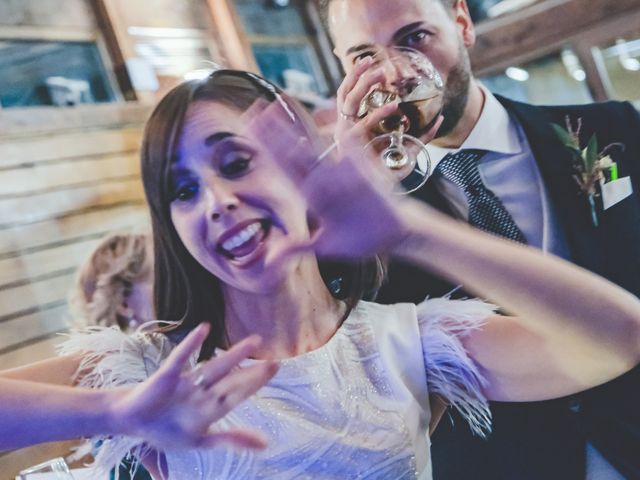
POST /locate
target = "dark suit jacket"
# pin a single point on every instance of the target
(546, 440)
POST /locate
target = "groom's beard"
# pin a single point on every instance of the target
(456, 93)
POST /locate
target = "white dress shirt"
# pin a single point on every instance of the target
(510, 171)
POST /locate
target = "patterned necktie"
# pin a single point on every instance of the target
(486, 211)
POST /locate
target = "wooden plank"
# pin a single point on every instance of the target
(27, 297)
(30, 150)
(52, 34)
(17, 211)
(27, 239)
(16, 269)
(35, 325)
(29, 121)
(26, 181)
(33, 352)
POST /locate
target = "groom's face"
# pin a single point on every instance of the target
(441, 29)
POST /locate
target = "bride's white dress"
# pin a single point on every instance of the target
(357, 407)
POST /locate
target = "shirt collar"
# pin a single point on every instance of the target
(494, 131)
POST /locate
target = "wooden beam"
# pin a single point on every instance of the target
(23, 122)
(542, 28)
(236, 48)
(118, 44)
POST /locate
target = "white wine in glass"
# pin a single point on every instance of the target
(418, 88)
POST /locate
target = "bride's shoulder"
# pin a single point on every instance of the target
(380, 312)
(111, 357)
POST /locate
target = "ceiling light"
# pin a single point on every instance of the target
(631, 64)
(572, 64)
(518, 74)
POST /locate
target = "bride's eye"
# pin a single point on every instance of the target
(236, 163)
(184, 191)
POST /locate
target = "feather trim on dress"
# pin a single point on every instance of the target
(111, 359)
(451, 373)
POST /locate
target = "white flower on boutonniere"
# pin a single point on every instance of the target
(590, 165)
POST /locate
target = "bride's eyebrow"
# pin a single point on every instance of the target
(217, 137)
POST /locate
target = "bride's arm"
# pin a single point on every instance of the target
(57, 370)
(173, 408)
(574, 329)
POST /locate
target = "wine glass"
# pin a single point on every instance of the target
(418, 87)
(56, 468)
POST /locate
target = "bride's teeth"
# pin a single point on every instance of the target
(241, 237)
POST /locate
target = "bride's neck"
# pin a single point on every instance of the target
(299, 316)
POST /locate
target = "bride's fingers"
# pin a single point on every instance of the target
(218, 367)
(237, 386)
(288, 250)
(180, 355)
(291, 146)
(256, 108)
(235, 438)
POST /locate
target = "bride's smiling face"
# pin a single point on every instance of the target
(230, 206)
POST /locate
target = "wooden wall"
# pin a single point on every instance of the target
(61, 190)
(72, 14)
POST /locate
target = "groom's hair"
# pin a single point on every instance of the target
(323, 7)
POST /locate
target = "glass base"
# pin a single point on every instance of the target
(406, 158)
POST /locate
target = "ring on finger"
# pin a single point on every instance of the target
(345, 116)
(199, 380)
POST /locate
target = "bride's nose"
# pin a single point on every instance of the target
(221, 200)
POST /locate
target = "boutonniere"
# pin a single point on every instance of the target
(590, 166)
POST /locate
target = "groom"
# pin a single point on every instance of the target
(500, 165)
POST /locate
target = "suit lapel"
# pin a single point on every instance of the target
(571, 206)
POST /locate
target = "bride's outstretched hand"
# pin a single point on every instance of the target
(176, 406)
(349, 196)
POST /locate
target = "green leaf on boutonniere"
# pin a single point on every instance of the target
(590, 154)
(589, 165)
(567, 139)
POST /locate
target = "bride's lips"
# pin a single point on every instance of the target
(244, 242)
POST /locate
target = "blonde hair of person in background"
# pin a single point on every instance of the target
(113, 286)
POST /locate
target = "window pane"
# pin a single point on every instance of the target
(484, 9)
(553, 80)
(52, 73)
(282, 45)
(275, 62)
(621, 61)
(258, 18)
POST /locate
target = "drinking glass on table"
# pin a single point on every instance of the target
(53, 469)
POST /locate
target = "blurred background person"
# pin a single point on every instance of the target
(114, 285)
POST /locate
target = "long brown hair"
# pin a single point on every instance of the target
(183, 289)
